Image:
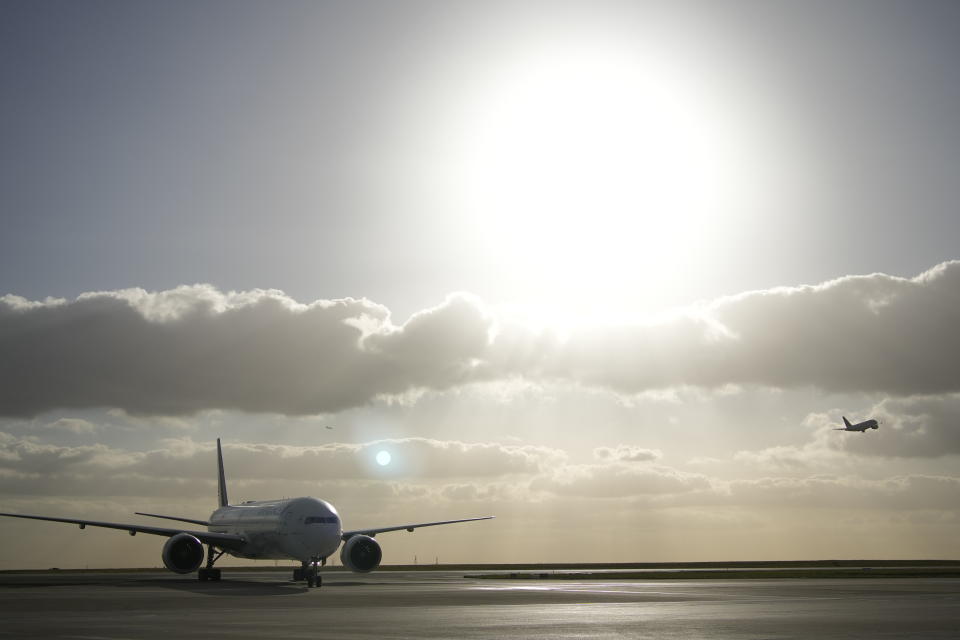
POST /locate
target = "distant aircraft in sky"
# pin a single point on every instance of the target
(860, 426)
(304, 529)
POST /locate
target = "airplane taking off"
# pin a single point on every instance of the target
(860, 426)
(304, 529)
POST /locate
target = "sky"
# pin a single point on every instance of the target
(610, 271)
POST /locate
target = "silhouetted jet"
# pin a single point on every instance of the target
(860, 426)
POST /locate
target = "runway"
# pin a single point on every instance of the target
(444, 604)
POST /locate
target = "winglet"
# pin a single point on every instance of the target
(222, 493)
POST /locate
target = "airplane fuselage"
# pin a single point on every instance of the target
(301, 528)
(860, 426)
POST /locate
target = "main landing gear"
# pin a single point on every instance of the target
(310, 571)
(208, 572)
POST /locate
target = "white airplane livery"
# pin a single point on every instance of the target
(860, 426)
(305, 529)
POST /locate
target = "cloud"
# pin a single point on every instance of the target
(915, 427)
(77, 426)
(194, 348)
(626, 453)
(181, 465)
(618, 480)
(897, 492)
(24, 455)
(823, 450)
(859, 333)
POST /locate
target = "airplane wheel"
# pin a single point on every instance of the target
(204, 574)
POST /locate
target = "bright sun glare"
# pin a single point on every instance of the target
(593, 171)
(383, 458)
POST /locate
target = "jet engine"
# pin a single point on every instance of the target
(183, 553)
(361, 554)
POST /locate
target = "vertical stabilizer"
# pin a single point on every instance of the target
(845, 421)
(222, 489)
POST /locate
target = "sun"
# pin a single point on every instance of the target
(383, 458)
(595, 171)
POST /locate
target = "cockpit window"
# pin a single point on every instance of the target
(320, 520)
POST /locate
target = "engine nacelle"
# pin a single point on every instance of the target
(183, 553)
(361, 554)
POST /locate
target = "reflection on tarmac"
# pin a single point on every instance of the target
(444, 604)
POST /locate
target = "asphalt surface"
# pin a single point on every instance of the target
(444, 604)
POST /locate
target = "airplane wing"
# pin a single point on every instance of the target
(202, 523)
(409, 527)
(222, 540)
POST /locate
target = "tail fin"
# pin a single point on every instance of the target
(222, 493)
(845, 421)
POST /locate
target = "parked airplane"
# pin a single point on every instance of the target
(304, 529)
(860, 426)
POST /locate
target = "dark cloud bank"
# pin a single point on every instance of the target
(195, 348)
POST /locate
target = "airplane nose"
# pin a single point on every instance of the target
(324, 538)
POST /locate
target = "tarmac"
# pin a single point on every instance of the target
(445, 604)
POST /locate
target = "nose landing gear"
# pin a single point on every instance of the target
(310, 571)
